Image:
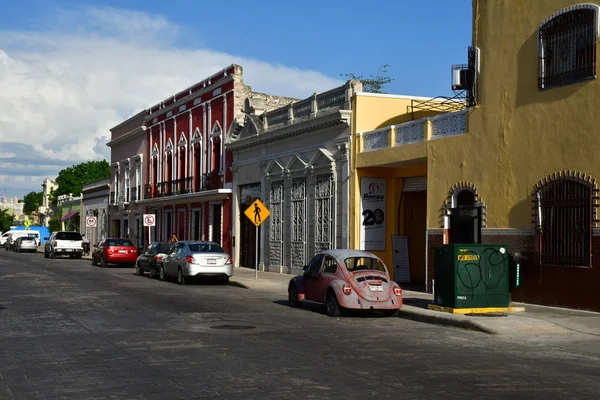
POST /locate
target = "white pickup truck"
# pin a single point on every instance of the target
(64, 243)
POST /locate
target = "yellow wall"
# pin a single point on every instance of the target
(517, 135)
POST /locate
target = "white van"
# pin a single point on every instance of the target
(11, 236)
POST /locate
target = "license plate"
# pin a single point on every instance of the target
(211, 261)
(122, 251)
(376, 288)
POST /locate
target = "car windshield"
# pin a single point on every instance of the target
(355, 264)
(206, 248)
(68, 236)
(119, 242)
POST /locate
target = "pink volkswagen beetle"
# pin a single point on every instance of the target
(346, 279)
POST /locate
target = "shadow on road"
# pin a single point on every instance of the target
(320, 309)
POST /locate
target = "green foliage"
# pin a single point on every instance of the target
(32, 201)
(373, 84)
(6, 220)
(73, 178)
(54, 225)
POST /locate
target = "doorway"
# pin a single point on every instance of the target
(216, 223)
(465, 219)
(248, 232)
(415, 227)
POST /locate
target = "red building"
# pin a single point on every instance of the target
(188, 181)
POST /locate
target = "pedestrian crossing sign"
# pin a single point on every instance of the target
(257, 213)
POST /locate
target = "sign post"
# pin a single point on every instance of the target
(91, 222)
(27, 224)
(149, 221)
(257, 213)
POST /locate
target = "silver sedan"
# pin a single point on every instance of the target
(188, 259)
(26, 243)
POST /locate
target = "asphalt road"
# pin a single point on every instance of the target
(73, 331)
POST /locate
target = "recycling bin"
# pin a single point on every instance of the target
(472, 275)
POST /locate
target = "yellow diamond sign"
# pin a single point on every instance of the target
(27, 224)
(257, 213)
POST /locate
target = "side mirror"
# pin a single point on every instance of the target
(305, 268)
(45, 238)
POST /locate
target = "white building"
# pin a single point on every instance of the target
(296, 160)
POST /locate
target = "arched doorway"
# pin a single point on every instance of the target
(465, 218)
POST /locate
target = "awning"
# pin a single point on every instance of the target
(69, 215)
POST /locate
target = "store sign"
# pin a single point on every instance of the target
(372, 210)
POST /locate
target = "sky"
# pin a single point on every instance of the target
(70, 69)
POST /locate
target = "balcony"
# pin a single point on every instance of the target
(439, 126)
(182, 186)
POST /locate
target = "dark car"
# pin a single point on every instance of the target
(149, 260)
(114, 251)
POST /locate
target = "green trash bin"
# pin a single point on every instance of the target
(472, 276)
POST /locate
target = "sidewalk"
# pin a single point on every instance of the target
(536, 321)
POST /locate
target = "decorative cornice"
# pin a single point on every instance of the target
(334, 118)
(127, 136)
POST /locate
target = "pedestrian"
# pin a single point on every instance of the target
(173, 238)
(86, 245)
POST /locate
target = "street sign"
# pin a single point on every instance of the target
(27, 224)
(91, 222)
(149, 220)
(257, 213)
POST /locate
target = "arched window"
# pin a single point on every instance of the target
(564, 222)
(567, 46)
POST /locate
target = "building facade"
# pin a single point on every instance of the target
(95, 203)
(69, 207)
(188, 181)
(517, 166)
(295, 159)
(46, 211)
(128, 173)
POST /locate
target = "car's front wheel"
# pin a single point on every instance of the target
(293, 296)
(138, 271)
(161, 273)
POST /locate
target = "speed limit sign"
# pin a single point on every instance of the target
(91, 222)
(149, 220)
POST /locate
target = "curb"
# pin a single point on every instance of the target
(411, 313)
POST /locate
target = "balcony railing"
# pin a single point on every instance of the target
(337, 97)
(205, 182)
(439, 126)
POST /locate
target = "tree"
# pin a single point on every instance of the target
(54, 225)
(373, 84)
(6, 220)
(32, 201)
(73, 178)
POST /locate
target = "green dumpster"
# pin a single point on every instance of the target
(472, 276)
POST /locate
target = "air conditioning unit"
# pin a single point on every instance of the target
(461, 78)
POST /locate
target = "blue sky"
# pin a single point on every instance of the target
(74, 69)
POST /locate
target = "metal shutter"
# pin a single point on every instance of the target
(415, 184)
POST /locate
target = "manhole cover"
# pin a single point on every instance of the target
(232, 327)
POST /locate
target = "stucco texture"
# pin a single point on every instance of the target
(517, 135)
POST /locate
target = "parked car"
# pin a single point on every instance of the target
(114, 251)
(12, 237)
(26, 243)
(346, 279)
(149, 260)
(188, 259)
(69, 243)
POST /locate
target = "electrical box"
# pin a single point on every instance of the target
(472, 275)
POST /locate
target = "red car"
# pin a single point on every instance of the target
(114, 251)
(346, 279)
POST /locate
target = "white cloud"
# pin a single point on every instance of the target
(62, 88)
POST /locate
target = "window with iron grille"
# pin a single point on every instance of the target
(567, 46)
(564, 218)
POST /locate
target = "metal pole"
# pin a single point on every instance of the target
(257, 258)
(149, 236)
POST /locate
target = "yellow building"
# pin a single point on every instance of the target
(518, 161)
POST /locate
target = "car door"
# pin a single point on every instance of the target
(97, 252)
(311, 277)
(171, 260)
